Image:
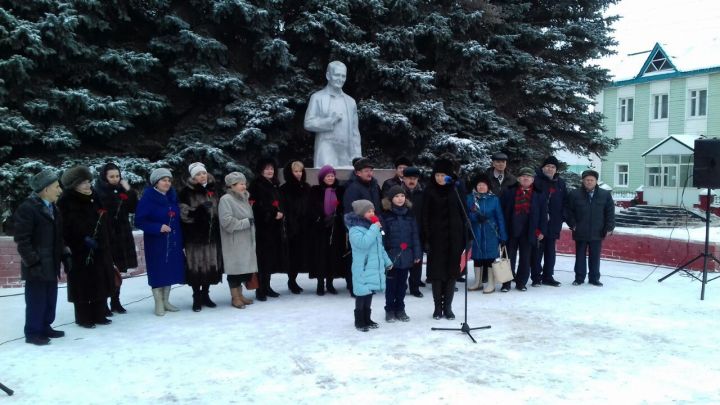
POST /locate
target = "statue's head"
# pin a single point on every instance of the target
(336, 74)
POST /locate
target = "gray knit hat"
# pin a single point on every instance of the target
(43, 179)
(361, 207)
(158, 174)
(393, 191)
(233, 178)
(73, 176)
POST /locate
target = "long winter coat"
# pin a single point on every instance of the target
(39, 239)
(499, 189)
(356, 189)
(295, 200)
(369, 259)
(538, 210)
(488, 225)
(201, 232)
(401, 229)
(329, 241)
(445, 232)
(237, 233)
(119, 203)
(164, 257)
(272, 243)
(591, 220)
(555, 192)
(91, 278)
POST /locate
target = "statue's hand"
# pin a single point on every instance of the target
(336, 117)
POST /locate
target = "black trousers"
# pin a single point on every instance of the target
(235, 280)
(592, 249)
(522, 270)
(543, 258)
(415, 277)
(395, 289)
(40, 305)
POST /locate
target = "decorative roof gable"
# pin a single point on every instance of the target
(657, 62)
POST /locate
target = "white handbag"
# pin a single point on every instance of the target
(501, 268)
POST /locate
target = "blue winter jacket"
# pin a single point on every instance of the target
(555, 192)
(490, 232)
(401, 227)
(164, 257)
(369, 259)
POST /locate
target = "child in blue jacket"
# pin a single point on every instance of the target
(369, 260)
(402, 242)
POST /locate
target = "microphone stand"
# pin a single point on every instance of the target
(7, 390)
(465, 327)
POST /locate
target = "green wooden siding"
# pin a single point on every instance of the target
(610, 111)
(677, 101)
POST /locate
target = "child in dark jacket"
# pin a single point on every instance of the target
(402, 242)
(369, 260)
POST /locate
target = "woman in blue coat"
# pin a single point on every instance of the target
(488, 226)
(369, 260)
(158, 215)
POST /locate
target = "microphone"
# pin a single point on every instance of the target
(448, 180)
(374, 219)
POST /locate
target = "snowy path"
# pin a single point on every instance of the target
(627, 342)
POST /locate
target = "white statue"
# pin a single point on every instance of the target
(332, 115)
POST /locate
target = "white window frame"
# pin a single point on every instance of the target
(618, 173)
(626, 110)
(659, 101)
(695, 103)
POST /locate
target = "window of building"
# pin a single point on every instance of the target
(660, 106)
(626, 109)
(668, 171)
(698, 103)
(652, 176)
(622, 174)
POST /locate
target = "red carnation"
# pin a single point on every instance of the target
(101, 211)
(403, 246)
(337, 203)
(171, 214)
(276, 203)
(210, 194)
(123, 196)
(374, 219)
(252, 202)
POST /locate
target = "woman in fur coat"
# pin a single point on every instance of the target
(120, 200)
(201, 229)
(294, 194)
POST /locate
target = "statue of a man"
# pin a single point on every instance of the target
(332, 115)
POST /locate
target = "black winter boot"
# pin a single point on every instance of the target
(348, 280)
(206, 297)
(368, 321)
(197, 299)
(360, 321)
(437, 298)
(115, 305)
(448, 299)
(320, 287)
(294, 287)
(329, 286)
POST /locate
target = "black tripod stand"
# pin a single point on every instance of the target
(464, 327)
(6, 389)
(705, 255)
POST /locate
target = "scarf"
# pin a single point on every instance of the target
(522, 200)
(330, 201)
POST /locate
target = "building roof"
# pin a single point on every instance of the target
(682, 141)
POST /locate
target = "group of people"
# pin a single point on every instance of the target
(374, 237)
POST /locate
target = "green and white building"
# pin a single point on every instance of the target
(656, 115)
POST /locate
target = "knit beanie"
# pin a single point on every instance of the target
(393, 191)
(196, 168)
(158, 174)
(324, 171)
(43, 179)
(361, 207)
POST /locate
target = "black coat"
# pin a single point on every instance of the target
(271, 235)
(590, 220)
(445, 232)
(401, 228)
(415, 197)
(356, 189)
(555, 192)
(538, 210)
(39, 240)
(294, 199)
(91, 278)
(508, 181)
(122, 242)
(329, 240)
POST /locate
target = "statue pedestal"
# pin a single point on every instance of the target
(344, 174)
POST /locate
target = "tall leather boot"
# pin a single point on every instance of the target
(329, 286)
(166, 296)
(197, 298)
(159, 305)
(369, 322)
(360, 321)
(293, 285)
(448, 299)
(437, 290)
(268, 290)
(206, 297)
(477, 281)
(115, 305)
(261, 291)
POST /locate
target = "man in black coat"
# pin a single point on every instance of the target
(500, 177)
(361, 185)
(414, 193)
(555, 192)
(401, 164)
(39, 239)
(590, 214)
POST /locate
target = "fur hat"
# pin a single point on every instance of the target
(263, 162)
(393, 191)
(362, 163)
(43, 179)
(361, 207)
(411, 172)
(590, 172)
(324, 171)
(526, 171)
(480, 178)
(443, 166)
(159, 173)
(196, 168)
(551, 160)
(233, 178)
(499, 156)
(72, 177)
(402, 160)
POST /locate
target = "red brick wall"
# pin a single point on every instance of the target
(647, 249)
(10, 261)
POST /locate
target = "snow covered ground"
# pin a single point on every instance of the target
(631, 341)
